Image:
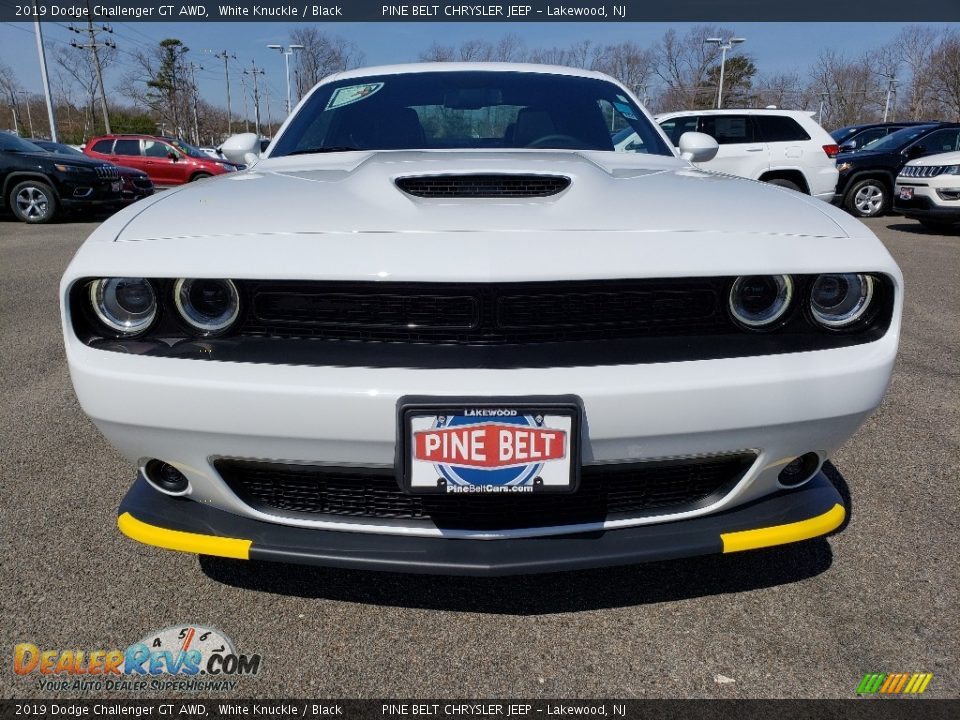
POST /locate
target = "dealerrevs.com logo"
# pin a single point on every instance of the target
(177, 658)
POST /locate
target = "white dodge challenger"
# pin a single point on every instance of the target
(444, 326)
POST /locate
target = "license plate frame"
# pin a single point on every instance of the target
(498, 412)
(905, 193)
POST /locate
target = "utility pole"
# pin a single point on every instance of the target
(29, 114)
(43, 76)
(256, 93)
(92, 46)
(227, 57)
(246, 114)
(193, 79)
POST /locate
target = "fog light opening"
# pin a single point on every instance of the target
(166, 478)
(800, 470)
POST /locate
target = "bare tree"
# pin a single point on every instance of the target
(322, 54)
(77, 69)
(683, 64)
(851, 90)
(9, 90)
(509, 48)
(629, 63)
(945, 80)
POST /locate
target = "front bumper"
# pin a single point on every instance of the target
(177, 524)
(923, 205)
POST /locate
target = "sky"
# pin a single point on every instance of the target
(776, 47)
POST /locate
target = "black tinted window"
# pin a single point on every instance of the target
(729, 129)
(675, 127)
(778, 128)
(102, 146)
(126, 147)
(940, 141)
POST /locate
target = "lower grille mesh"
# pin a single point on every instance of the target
(361, 493)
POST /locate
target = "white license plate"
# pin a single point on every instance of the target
(906, 193)
(499, 448)
(116, 185)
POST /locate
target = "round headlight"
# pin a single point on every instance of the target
(757, 301)
(208, 306)
(125, 305)
(838, 301)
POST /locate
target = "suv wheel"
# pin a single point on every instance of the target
(867, 198)
(33, 202)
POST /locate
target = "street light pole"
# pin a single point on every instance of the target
(286, 58)
(724, 46)
(891, 86)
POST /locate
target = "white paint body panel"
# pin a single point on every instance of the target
(340, 217)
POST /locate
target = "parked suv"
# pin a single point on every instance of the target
(165, 160)
(781, 147)
(854, 137)
(135, 184)
(928, 190)
(867, 176)
(38, 185)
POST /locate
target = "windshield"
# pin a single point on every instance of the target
(189, 150)
(843, 133)
(11, 143)
(60, 149)
(469, 110)
(896, 140)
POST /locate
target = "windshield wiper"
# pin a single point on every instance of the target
(334, 148)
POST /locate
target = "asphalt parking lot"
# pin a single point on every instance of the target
(805, 620)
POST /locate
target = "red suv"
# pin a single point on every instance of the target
(165, 160)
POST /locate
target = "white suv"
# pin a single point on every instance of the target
(781, 147)
(928, 190)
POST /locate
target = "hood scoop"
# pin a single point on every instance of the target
(483, 186)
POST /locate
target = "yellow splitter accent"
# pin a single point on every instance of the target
(782, 534)
(240, 549)
(183, 541)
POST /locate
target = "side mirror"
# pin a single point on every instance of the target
(698, 147)
(172, 155)
(242, 149)
(916, 151)
(848, 146)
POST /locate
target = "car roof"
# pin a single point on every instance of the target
(897, 123)
(736, 111)
(425, 67)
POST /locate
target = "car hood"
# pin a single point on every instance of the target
(356, 193)
(862, 156)
(950, 158)
(63, 159)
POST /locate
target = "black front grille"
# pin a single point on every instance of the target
(108, 172)
(487, 314)
(483, 186)
(365, 494)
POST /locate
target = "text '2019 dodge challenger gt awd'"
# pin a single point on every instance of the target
(445, 326)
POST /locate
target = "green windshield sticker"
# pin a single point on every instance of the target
(353, 93)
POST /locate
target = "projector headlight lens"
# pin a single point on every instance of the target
(126, 306)
(208, 306)
(840, 300)
(758, 301)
